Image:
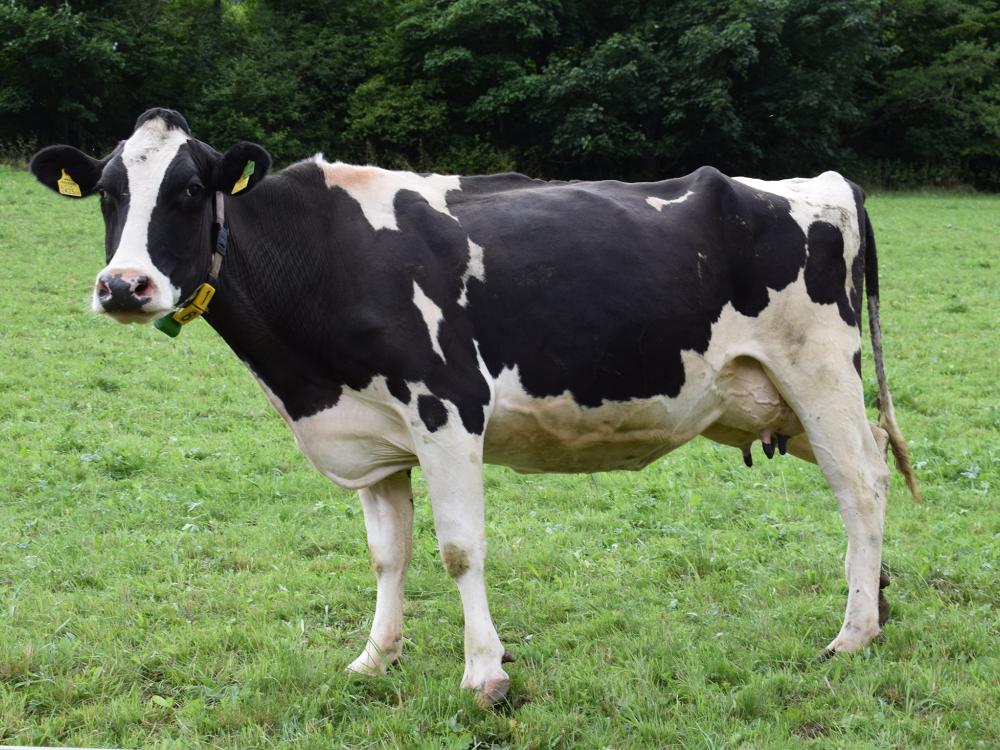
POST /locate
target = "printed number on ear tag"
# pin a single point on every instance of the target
(67, 186)
(244, 178)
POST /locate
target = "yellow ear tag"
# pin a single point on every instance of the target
(244, 178)
(67, 186)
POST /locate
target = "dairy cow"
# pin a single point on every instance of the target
(397, 320)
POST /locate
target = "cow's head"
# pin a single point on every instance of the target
(156, 192)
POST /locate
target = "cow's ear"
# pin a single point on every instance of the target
(67, 170)
(241, 168)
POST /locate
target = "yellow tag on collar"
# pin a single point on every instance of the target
(197, 306)
(171, 324)
(67, 186)
(244, 178)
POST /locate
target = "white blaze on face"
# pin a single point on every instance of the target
(146, 157)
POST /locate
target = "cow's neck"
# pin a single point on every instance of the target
(263, 307)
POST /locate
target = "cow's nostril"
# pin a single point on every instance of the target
(103, 290)
(141, 286)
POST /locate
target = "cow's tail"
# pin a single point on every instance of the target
(887, 415)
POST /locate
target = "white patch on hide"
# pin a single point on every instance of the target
(432, 316)
(362, 439)
(827, 197)
(375, 189)
(476, 269)
(659, 203)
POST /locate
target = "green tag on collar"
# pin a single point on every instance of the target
(168, 325)
(171, 324)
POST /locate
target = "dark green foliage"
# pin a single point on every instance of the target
(937, 106)
(289, 75)
(55, 73)
(903, 91)
(761, 87)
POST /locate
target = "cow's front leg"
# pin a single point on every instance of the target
(388, 508)
(455, 485)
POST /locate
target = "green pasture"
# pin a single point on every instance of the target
(173, 573)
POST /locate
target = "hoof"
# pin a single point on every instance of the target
(850, 639)
(826, 654)
(492, 691)
(782, 444)
(369, 666)
(364, 669)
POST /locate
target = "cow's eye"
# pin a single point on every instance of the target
(194, 190)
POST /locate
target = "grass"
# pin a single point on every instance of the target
(173, 574)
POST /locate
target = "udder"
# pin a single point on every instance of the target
(754, 409)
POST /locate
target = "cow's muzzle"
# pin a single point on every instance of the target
(124, 291)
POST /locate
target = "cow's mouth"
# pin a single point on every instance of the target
(135, 316)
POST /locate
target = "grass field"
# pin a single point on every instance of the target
(173, 574)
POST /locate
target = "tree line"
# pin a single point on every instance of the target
(896, 93)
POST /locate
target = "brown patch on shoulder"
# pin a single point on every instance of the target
(456, 562)
(348, 176)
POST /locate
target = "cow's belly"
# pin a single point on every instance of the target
(624, 436)
(555, 434)
(367, 435)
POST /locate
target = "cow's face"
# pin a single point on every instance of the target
(157, 195)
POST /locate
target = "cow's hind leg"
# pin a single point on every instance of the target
(388, 508)
(798, 445)
(829, 402)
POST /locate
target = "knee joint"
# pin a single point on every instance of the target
(384, 564)
(377, 565)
